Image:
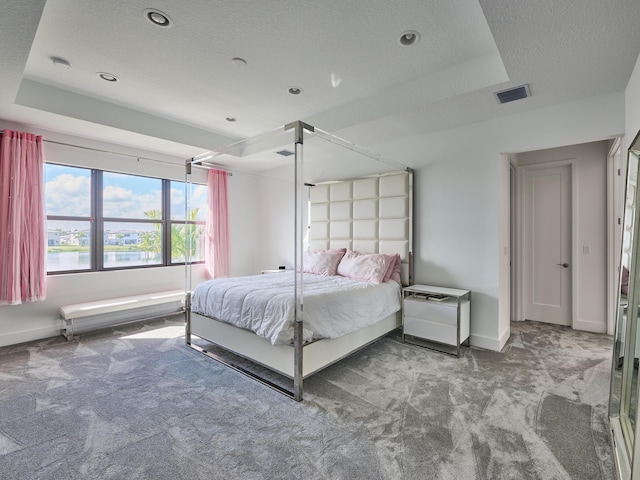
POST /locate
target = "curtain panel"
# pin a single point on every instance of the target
(217, 226)
(23, 236)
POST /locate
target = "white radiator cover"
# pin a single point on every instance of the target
(103, 320)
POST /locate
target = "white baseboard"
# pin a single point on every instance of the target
(590, 326)
(487, 343)
(28, 335)
(504, 337)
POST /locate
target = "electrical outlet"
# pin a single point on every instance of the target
(586, 249)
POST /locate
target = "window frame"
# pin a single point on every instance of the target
(97, 222)
(186, 222)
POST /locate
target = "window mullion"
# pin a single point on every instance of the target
(166, 223)
(97, 208)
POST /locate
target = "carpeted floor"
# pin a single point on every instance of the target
(135, 403)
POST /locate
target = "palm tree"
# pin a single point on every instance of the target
(151, 242)
(184, 237)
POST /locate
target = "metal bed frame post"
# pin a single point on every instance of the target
(187, 257)
(187, 318)
(298, 340)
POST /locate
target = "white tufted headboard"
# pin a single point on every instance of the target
(373, 214)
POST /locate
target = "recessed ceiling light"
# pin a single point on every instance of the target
(408, 38)
(109, 77)
(239, 62)
(61, 62)
(158, 18)
(230, 119)
(295, 90)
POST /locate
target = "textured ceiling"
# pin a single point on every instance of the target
(177, 85)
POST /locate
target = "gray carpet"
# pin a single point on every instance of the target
(135, 403)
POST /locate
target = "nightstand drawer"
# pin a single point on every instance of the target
(441, 312)
(435, 331)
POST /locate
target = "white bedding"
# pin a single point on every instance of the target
(333, 305)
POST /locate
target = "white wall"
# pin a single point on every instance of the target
(459, 205)
(456, 234)
(275, 207)
(243, 224)
(30, 321)
(589, 170)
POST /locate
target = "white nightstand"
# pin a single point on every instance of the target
(276, 270)
(436, 317)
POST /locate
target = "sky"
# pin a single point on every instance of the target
(68, 192)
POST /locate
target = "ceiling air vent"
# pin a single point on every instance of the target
(511, 94)
(285, 153)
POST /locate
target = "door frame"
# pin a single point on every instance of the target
(616, 184)
(514, 239)
(520, 235)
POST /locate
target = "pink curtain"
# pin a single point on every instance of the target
(23, 238)
(217, 236)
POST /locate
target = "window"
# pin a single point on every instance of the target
(100, 220)
(132, 213)
(187, 228)
(70, 229)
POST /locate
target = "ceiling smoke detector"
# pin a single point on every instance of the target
(158, 18)
(513, 94)
(295, 90)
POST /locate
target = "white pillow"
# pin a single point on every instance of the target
(371, 267)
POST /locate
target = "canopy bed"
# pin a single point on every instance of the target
(352, 253)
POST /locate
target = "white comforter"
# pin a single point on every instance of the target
(333, 306)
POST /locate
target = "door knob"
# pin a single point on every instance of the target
(565, 265)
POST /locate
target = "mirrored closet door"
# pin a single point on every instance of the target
(623, 402)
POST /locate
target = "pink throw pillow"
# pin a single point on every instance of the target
(396, 275)
(393, 273)
(393, 261)
(322, 262)
(364, 267)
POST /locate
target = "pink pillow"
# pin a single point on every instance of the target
(370, 267)
(396, 275)
(393, 261)
(322, 262)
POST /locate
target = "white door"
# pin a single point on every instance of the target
(547, 245)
